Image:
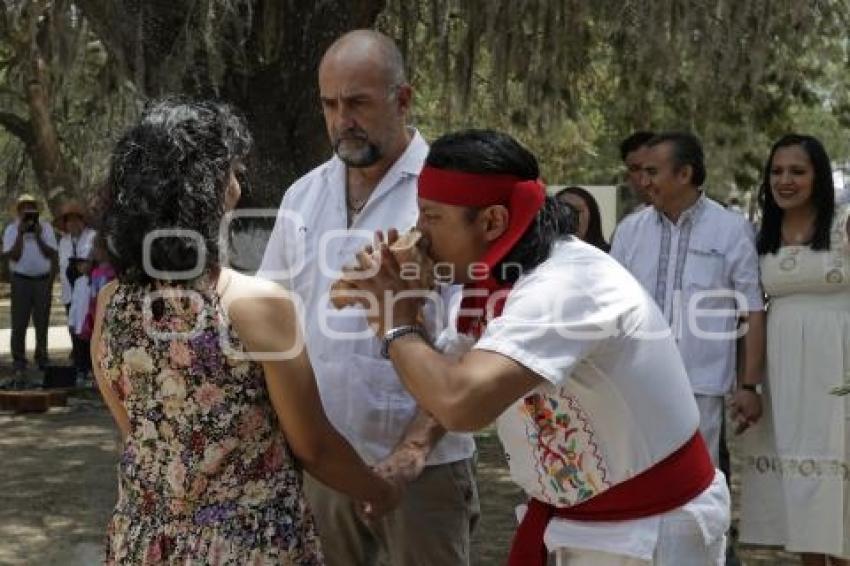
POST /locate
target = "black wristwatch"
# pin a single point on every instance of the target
(754, 387)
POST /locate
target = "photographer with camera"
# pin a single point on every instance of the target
(30, 245)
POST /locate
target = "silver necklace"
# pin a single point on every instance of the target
(355, 208)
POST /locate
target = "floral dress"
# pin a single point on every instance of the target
(205, 476)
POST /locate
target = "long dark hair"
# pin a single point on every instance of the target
(494, 153)
(170, 171)
(594, 223)
(823, 197)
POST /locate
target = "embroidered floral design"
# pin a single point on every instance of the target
(568, 461)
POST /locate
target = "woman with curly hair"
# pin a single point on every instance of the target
(202, 367)
(796, 480)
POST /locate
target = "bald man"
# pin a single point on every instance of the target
(325, 218)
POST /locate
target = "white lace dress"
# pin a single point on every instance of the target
(796, 481)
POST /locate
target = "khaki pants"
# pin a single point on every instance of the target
(432, 525)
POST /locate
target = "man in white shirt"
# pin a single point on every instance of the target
(568, 353)
(699, 262)
(325, 218)
(75, 247)
(633, 150)
(30, 246)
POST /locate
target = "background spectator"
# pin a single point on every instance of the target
(795, 486)
(633, 151)
(698, 260)
(589, 220)
(75, 247)
(30, 245)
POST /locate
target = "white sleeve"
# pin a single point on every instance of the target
(744, 265)
(80, 301)
(86, 244)
(276, 265)
(618, 242)
(549, 328)
(9, 236)
(64, 250)
(49, 235)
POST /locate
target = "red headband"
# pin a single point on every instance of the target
(523, 198)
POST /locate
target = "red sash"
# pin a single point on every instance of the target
(667, 485)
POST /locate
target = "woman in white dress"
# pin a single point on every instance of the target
(796, 480)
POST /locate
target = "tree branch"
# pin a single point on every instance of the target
(17, 126)
(8, 91)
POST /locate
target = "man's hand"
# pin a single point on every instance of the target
(404, 465)
(394, 300)
(407, 460)
(746, 409)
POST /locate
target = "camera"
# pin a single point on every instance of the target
(29, 221)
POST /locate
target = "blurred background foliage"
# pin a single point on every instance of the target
(569, 78)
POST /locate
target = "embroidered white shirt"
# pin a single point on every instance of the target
(309, 245)
(615, 398)
(702, 272)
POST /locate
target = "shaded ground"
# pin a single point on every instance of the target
(57, 486)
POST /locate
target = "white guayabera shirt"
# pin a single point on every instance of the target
(310, 243)
(702, 272)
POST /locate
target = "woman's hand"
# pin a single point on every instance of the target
(746, 409)
(388, 496)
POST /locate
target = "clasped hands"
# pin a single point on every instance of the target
(401, 467)
(746, 409)
(390, 297)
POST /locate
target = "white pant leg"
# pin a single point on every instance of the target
(681, 543)
(581, 557)
(681, 536)
(710, 421)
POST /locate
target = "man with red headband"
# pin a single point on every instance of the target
(570, 355)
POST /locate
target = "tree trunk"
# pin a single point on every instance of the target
(55, 177)
(262, 57)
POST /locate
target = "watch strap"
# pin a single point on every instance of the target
(395, 333)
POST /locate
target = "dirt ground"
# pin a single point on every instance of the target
(57, 486)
